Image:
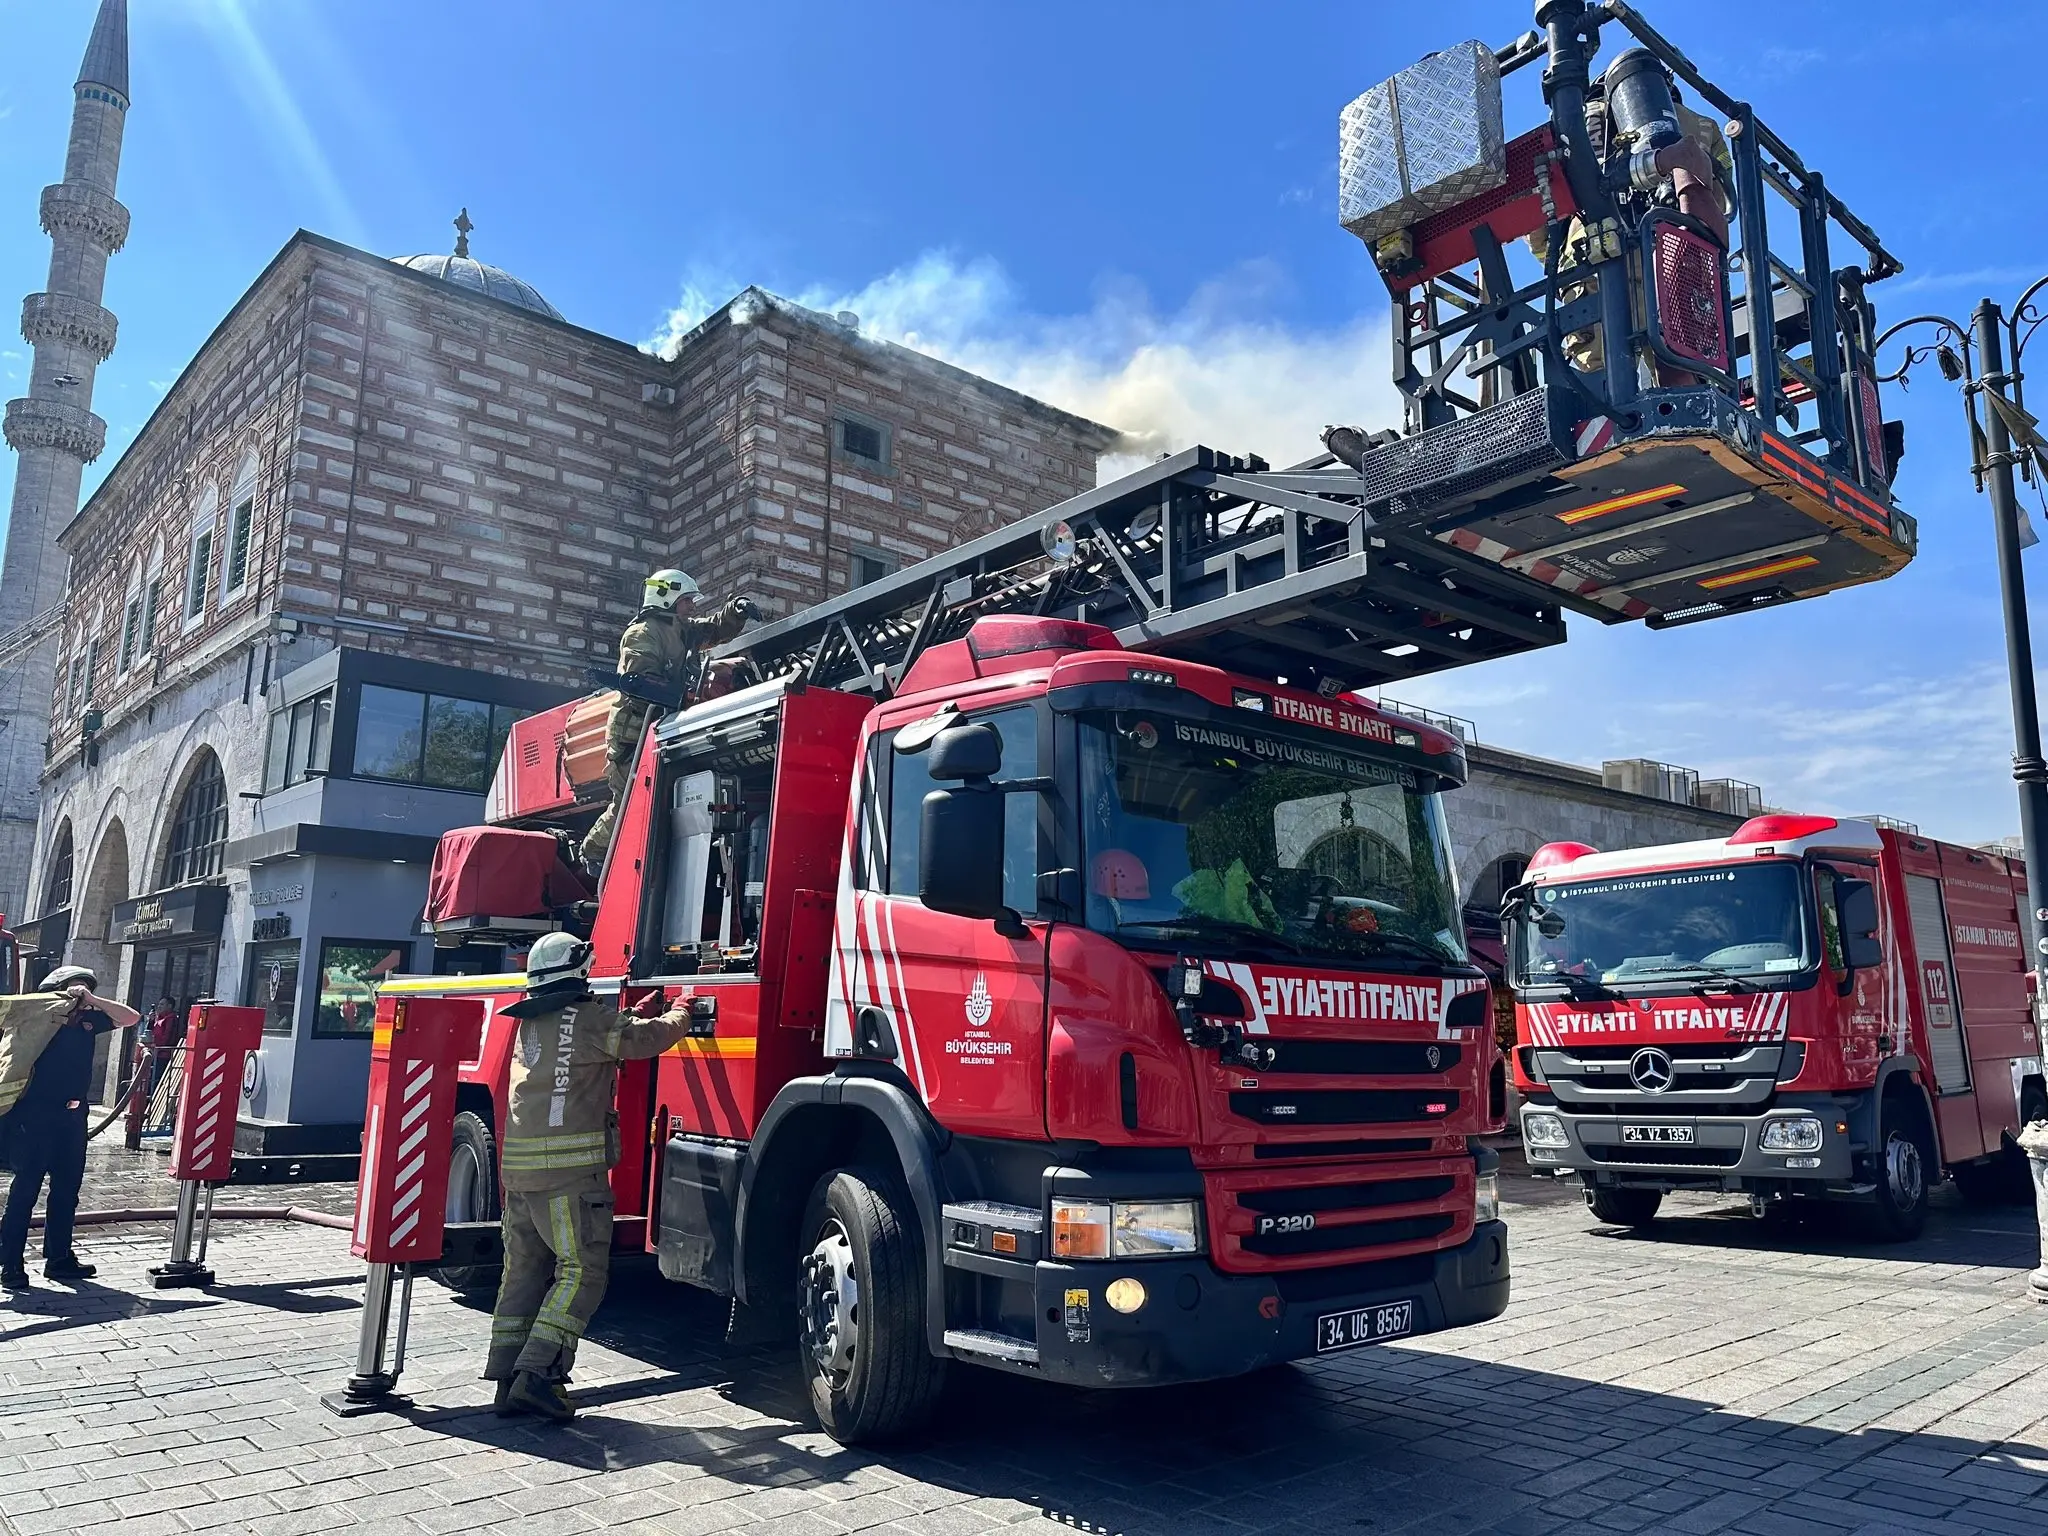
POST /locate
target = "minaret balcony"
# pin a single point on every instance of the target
(35, 423)
(74, 207)
(58, 317)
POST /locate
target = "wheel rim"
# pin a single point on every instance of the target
(464, 1173)
(1902, 1171)
(831, 1302)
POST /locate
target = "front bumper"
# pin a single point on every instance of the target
(1726, 1151)
(1199, 1324)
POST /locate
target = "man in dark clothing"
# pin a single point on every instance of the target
(46, 1051)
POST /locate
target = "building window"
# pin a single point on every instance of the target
(867, 441)
(299, 742)
(57, 893)
(74, 687)
(350, 972)
(868, 568)
(241, 527)
(197, 572)
(238, 546)
(426, 738)
(273, 984)
(152, 598)
(92, 667)
(199, 831)
(131, 629)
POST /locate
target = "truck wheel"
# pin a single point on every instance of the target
(1624, 1207)
(860, 1310)
(1899, 1210)
(472, 1196)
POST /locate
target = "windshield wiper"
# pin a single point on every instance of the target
(1408, 942)
(1197, 922)
(1572, 982)
(1689, 967)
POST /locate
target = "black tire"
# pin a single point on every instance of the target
(1624, 1207)
(472, 1196)
(1906, 1161)
(880, 1381)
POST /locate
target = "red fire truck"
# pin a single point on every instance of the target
(1074, 951)
(1075, 1011)
(1806, 1009)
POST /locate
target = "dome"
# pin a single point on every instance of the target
(493, 282)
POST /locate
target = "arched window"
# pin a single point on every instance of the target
(199, 830)
(57, 893)
(240, 529)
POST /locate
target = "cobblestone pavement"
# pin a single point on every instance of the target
(1709, 1376)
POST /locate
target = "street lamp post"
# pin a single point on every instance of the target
(1992, 457)
(1995, 466)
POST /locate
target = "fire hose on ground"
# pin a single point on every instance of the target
(298, 1213)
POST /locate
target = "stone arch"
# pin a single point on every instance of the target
(206, 733)
(192, 839)
(106, 886)
(60, 868)
(1499, 843)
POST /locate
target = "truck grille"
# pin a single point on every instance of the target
(1364, 1058)
(1268, 1219)
(1345, 1106)
(1665, 1155)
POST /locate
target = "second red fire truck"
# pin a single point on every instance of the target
(1807, 1009)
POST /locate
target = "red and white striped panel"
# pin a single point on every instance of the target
(414, 1122)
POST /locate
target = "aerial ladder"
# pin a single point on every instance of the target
(1613, 434)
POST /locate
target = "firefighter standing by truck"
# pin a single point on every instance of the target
(657, 657)
(561, 1139)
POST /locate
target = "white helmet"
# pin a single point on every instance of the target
(557, 959)
(667, 589)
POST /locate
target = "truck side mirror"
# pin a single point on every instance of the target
(960, 847)
(966, 752)
(1856, 902)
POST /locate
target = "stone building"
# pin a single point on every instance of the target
(389, 506)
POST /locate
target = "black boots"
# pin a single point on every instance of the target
(68, 1266)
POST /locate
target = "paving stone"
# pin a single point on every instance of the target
(1702, 1377)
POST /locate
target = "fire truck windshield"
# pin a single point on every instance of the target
(1679, 925)
(1255, 841)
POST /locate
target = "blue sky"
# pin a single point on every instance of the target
(1127, 208)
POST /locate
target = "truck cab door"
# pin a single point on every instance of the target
(964, 1006)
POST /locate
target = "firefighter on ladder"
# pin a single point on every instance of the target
(561, 1139)
(657, 654)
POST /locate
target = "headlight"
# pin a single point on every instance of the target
(1486, 1198)
(1802, 1135)
(1540, 1128)
(1125, 1229)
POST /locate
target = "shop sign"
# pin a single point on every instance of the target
(190, 912)
(278, 927)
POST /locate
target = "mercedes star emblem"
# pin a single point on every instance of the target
(1650, 1069)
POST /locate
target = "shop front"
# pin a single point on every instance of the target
(176, 939)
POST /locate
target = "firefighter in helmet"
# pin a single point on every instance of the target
(561, 1139)
(658, 653)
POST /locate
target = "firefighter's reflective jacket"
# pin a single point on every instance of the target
(561, 1127)
(658, 645)
(28, 1022)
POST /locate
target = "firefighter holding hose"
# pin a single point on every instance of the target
(561, 1139)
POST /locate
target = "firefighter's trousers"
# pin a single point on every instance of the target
(618, 773)
(558, 1254)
